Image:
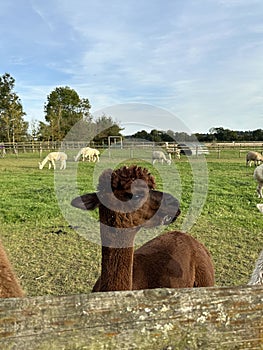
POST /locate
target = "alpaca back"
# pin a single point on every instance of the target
(172, 260)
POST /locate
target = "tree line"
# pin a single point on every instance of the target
(64, 108)
(220, 134)
(215, 135)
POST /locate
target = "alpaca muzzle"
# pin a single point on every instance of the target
(168, 219)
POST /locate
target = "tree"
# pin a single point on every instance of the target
(34, 127)
(222, 134)
(105, 127)
(63, 110)
(257, 135)
(43, 132)
(156, 135)
(143, 135)
(12, 126)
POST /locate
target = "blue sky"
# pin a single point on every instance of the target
(199, 60)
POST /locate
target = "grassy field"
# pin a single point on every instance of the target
(50, 257)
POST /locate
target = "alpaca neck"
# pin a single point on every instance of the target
(116, 269)
(44, 162)
(117, 259)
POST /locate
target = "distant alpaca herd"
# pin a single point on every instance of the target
(127, 200)
(91, 154)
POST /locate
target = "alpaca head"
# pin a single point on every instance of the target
(127, 198)
(40, 166)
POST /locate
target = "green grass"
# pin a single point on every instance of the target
(50, 257)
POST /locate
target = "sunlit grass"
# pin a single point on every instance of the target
(50, 257)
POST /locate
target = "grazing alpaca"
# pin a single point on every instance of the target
(9, 285)
(257, 274)
(52, 158)
(127, 200)
(92, 154)
(255, 157)
(159, 156)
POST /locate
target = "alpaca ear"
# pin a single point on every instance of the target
(87, 201)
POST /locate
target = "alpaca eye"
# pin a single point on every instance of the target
(138, 196)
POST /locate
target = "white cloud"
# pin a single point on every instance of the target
(238, 3)
(200, 60)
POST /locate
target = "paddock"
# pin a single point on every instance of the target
(228, 317)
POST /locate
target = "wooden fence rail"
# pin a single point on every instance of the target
(203, 318)
(34, 146)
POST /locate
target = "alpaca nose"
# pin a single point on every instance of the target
(172, 206)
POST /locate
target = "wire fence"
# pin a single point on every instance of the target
(214, 149)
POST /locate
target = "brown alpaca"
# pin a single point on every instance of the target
(127, 200)
(9, 285)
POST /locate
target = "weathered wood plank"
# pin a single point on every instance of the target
(203, 318)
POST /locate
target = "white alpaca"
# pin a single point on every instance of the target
(177, 153)
(258, 176)
(91, 154)
(52, 157)
(260, 207)
(257, 274)
(159, 156)
(255, 157)
(94, 155)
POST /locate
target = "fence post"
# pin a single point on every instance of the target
(218, 152)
